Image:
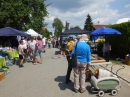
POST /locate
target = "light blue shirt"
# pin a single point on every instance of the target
(83, 52)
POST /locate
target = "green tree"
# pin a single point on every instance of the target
(58, 26)
(50, 33)
(88, 23)
(23, 14)
(77, 27)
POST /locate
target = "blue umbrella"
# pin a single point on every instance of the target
(8, 31)
(105, 32)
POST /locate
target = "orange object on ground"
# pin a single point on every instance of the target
(2, 76)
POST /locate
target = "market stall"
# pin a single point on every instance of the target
(8, 54)
(96, 60)
(33, 33)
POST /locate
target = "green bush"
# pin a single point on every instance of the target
(120, 44)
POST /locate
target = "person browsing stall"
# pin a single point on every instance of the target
(68, 50)
(106, 51)
(32, 48)
(83, 62)
(21, 53)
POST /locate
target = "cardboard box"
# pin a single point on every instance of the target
(2, 76)
(127, 60)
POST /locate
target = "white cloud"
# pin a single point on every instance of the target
(128, 5)
(99, 10)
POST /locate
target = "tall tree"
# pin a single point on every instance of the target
(58, 26)
(88, 23)
(23, 14)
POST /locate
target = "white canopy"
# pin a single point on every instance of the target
(33, 33)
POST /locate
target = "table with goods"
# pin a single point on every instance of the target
(7, 57)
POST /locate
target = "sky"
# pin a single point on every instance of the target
(75, 11)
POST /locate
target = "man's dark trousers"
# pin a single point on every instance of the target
(107, 56)
(68, 70)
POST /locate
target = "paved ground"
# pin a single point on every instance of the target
(46, 80)
(123, 73)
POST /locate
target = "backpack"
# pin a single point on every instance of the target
(69, 47)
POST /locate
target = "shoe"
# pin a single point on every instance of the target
(76, 91)
(68, 81)
(21, 66)
(82, 90)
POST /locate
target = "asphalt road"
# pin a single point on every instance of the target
(46, 80)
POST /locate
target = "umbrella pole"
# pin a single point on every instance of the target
(95, 46)
(104, 47)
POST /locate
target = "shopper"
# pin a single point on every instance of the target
(68, 50)
(21, 53)
(83, 62)
(32, 48)
(106, 51)
(44, 44)
(38, 50)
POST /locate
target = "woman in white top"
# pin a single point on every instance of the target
(32, 48)
(21, 53)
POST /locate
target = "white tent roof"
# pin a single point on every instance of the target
(123, 20)
(33, 33)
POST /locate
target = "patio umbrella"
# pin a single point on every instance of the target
(105, 32)
(8, 31)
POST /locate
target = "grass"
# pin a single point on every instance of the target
(114, 61)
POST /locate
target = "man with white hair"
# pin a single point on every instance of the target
(83, 62)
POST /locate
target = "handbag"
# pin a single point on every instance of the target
(74, 58)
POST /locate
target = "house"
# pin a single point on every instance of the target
(99, 26)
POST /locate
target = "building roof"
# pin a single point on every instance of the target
(75, 31)
(99, 26)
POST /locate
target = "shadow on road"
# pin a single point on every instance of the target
(62, 85)
(90, 92)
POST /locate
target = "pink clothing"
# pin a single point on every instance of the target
(20, 49)
(39, 44)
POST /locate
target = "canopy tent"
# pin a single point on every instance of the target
(33, 33)
(75, 31)
(8, 31)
